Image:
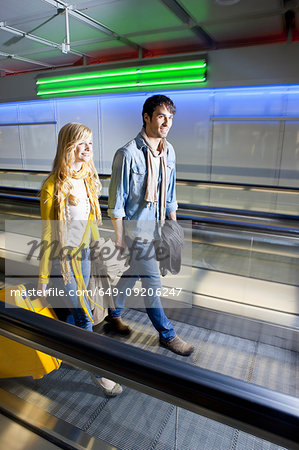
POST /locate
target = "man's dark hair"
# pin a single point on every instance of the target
(151, 104)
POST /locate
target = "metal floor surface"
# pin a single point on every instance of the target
(262, 364)
(136, 421)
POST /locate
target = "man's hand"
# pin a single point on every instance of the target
(120, 244)
(172, 215)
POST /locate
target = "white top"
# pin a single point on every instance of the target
(77, 217)
(157, 166)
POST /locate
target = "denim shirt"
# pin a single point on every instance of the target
(128, 183)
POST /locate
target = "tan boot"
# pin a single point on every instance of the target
(178, 346)
(118, 326)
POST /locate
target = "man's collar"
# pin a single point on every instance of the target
(140, 141)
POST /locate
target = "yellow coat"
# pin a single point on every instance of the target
(49, 231)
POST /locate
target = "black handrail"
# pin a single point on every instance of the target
(254, 409)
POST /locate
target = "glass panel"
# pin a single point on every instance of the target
(290, 156)
(250, 274)
(247, 198)
(9, 113)
(195, 194)
(245, 152)
(287, 203)
(22, 180)
(105, 185)
(292, 102)
(190, 135)
(239, 197)
(261, 256)
(252, 101)
(121, 122)
(10, 149)
(82, 110)
(39, 146)
(37, 111)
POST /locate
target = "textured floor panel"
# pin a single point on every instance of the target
(228, 355)
(132, 421)
(277, 369)
(195, 433)
(246, 441)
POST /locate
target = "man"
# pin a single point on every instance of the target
(142, 191)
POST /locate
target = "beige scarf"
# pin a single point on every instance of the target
(151, 194)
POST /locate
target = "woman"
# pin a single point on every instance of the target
(70, 211)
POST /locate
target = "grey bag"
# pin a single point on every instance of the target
(106, 266)
(169, 247)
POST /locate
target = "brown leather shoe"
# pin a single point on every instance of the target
(178, 346)
(118, 326)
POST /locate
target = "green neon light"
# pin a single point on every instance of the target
(133, 78)
(153, 77)
(127, 79)
(118, 86)
(152, 69)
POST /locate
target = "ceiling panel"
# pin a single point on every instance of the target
(126, 16)
(12, 10)
(110, 54)
(11, 43)
(80, 31)
(54, 57)
(96, 48)
(145, 39)
(210, 10)
(53, 31)
(17, 66)
(246, 29)
(174, 45)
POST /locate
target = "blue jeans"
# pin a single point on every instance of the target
(144, 266)
(70, 309)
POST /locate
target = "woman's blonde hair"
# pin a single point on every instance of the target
(69, 137)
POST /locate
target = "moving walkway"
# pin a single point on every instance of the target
(238, 390)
